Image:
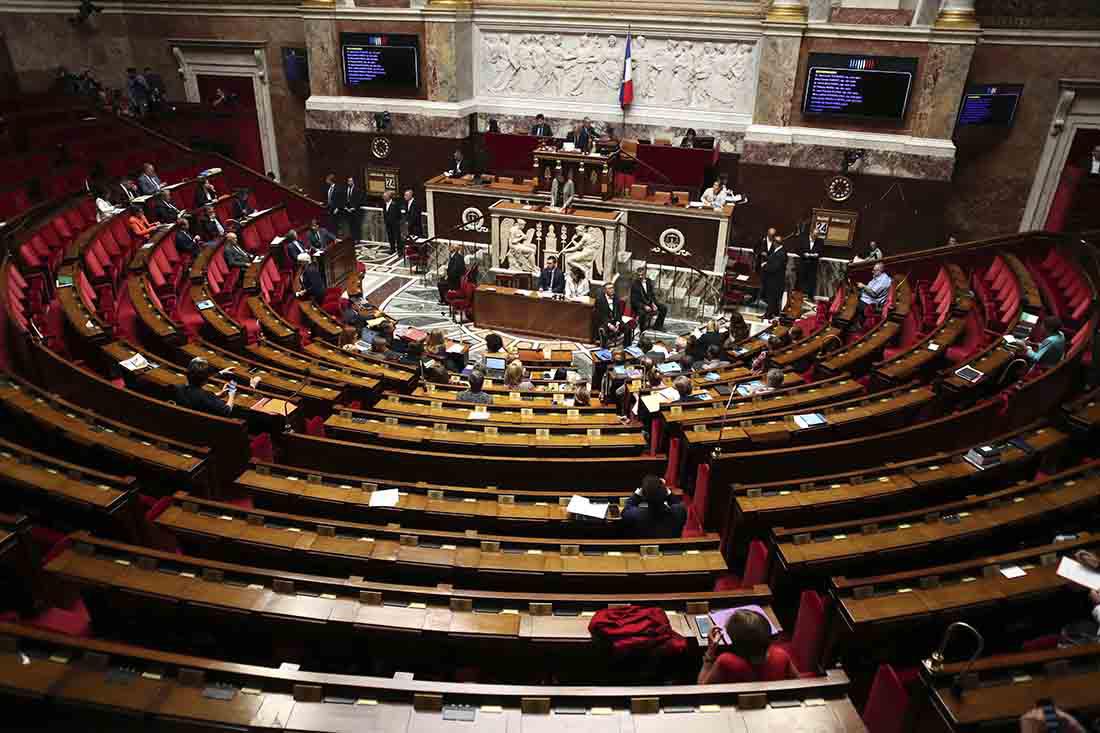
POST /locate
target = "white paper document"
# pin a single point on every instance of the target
(384, 497)
(1013, 571)
(456, 348)
(1075, 572)
(581, 505)
(135, 362)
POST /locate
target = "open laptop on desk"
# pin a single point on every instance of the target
(494, 367)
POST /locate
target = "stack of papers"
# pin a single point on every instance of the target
(456, 348)
(583, 506)
(669, 394)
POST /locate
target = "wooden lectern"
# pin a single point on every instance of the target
(593, 174)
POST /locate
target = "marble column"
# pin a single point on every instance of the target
(777, 72)
(788, 11)
(957, 15)
(325, 67)
(449, 53)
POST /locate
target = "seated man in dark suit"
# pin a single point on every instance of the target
(643, 300)
(380, 347)
(235, 255)
(653, 512)
(194, 397)
(240, 207)
(185, 241)
(164, 210)
(551, 278)
(294, 247)
(609, 318)
(541, 129)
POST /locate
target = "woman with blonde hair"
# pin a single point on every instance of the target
(582, 397)
(513, 377)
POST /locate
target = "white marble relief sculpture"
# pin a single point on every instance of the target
(711, 75)
(521, 250)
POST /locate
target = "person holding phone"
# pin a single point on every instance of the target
(194, 396)
(1045, 718)
(743, 652)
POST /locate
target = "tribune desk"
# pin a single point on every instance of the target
(524, 311)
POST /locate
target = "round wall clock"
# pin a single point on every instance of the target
(380, 147)
(839, 188)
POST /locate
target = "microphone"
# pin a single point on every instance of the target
(287, 401)
(934, 663)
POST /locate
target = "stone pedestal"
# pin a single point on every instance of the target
(787, 11)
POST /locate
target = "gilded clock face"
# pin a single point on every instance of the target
(380, 147)
(839, 188)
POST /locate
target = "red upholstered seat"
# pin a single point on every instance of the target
(756, 570)
(280, 221)
(316, 426)
(262, 448)
(887, 703)
(806, 643)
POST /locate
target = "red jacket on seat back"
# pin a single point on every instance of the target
(636, 628)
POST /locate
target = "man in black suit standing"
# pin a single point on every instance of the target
(412, 215)
(551, 279)
(456, 268)
(331, 189)
(609, 318)
(392, 212)
(644, 303)
(541, 129)
(348, 203)
(814, 242)
(773, 275)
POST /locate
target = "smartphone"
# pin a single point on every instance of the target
(1050, 715)
(232, 386)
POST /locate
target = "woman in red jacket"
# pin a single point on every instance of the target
(751, 656)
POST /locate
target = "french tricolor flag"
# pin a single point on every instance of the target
(626, 91)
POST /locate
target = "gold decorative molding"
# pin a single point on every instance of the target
(786, 13)
(956, 19)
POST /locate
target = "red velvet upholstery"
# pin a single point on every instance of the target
(886, 703)
(805, 646)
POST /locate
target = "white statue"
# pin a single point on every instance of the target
(521, 252)
(559, 61)
(582, 250)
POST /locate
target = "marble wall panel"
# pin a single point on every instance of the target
(39, 42)
(828, 158)
(995, 169)
(440, 64)
(871, 16)
(775, 87)
(354, 120)
(944, 74)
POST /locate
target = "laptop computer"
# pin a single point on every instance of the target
(494, 367)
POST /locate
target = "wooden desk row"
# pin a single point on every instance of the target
(530, 470)
(458, 411)
(272, 325)
(56, 492)
(468, 559)
(162, 377)
(163, 462)
(544, 394)
(435, 506)
(320, 388)
(997, 690)
(736, 407)
(898, 540)
(845, 419)
(1022, 589)
(227, 438)
(468, 434)
(756, 508)
(153, 318)
(222, 327)
(390, 374)
(289, 360)
(922, 355)
(261, 612)
(49, 676)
